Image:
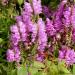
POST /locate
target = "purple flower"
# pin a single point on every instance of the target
(67, 14)
(58, 24)
(14, 29)
(73, 17)
(17, 53)
(46, 11)
(17, 57)
(26, 18)
(34, 32)
(22, 29)
(42, 36)
(65, 1)
(18, 18)
(58, 17)
(10, 55)
(62, 53)
(73, 35)
(27, 12)
(15, 35)
(30, 25)
(68, 55)
(39, 58)
(13, 54)
(50, 28)
(37, 6)
(27, 7)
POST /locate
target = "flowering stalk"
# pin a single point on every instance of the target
(49, 35)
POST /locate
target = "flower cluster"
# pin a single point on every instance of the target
(68, 55)
(46, 11)
(57, 29)
(13, 54)
(27, 30)
(37, 6)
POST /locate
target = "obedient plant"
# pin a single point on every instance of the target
(67, 54)
(42, 37)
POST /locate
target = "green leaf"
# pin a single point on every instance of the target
(53, 69)
(62, 68)
(44, 73)
(74, 69)
(38, 64)
(33, 70)
(22, 70)
(14, 72)
(34, 49)
(1, 40)
(20, 2)
(48, 63)
(38, 73)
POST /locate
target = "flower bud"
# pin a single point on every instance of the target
(58, 36)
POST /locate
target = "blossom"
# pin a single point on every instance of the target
(18, 18)
(17, 56)
(50, 28)
(13, 54)
(58, 24)
(64, 1)
(73, 17)
(27, 7)
(39, 57)
(73, 35)
(42, 36)
(58, 17)
(67, 15)
(27, 12)
(37, 6)
(15, 35)
(68, 55)
(10, 55)
(34, 32)
(46, 11)
(22, 29)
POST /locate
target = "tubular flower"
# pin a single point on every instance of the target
(73, 17)
(17, 53)
(15, 35)
(58, 17)
(10, 55)
(42, 36)
(27, 12)
(46, 11)
(73, 35)
(39, 57)
(68, 55)
(67, 14)
(18, 18)
(27, 8)
(13, 54)
(50, 28)
(22, 28)
(34, 32)
(37, 6)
